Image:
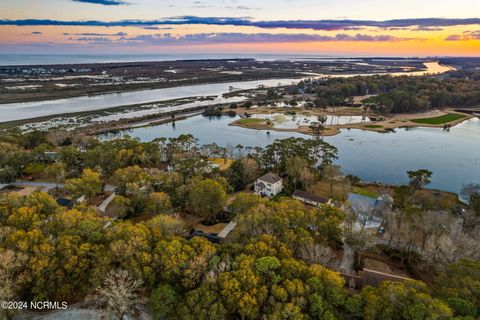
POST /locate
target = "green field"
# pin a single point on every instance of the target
(364, 192)
(373, 126)
(250, 121)
(449, 117)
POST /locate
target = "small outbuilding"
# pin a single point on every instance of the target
(65, 202)
(212, 237)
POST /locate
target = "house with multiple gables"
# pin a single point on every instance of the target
(268, 185)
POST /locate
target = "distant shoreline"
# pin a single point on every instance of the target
(22, 59)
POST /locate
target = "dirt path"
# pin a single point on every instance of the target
(346, 266)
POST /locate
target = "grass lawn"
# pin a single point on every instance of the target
(449, 117)
(250, 121)
(373, 126)
(35, 168)
(436, 200)
(365, 192)
(221, 162)
(322, 188)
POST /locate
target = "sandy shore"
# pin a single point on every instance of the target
(387, 124)
(405, 121)
(329, 131)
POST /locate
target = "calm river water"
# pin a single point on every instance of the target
(453, 156)
(30, 110)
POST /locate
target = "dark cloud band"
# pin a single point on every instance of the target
(290, 24)
(104, 2)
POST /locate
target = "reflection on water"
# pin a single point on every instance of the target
(211, 129)
(453, 156)
(29, 110)
(288, 121)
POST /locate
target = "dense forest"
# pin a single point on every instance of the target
(398, 94)
(276, 265)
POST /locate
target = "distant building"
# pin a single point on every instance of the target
(310, 198)
(268, 185)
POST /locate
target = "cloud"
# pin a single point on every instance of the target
(157, 28)
(468, 35)
(37, 32)
(244, 8)
(289, 24)
(342, 24)
(231, 38)
(92, 40)
(199, 4)
(425, 28)
(93, 34)
(454, 37)
(104, 2)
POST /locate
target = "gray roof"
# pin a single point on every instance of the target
(261, 185)
(270, 178)
(359, 202)
(309, 196)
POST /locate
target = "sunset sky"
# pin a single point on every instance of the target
(327, 27)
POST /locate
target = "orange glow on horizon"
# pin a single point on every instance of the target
(410, 43)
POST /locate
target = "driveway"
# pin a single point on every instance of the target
(51, 185)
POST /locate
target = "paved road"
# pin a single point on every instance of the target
(51, 185)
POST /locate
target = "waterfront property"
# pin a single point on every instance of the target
(310, 198)
(268, 185)
(452, 155)
(360, 202)
(369, 209)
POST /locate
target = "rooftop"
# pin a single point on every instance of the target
(261, 185)
(270, 178)
(64, 202)
(359, 202)
(309, 196)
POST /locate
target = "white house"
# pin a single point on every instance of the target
(268, 185)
